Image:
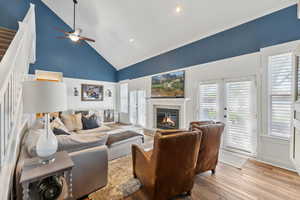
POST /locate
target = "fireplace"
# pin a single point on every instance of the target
(167, 118)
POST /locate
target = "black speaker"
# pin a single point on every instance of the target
(50, 188)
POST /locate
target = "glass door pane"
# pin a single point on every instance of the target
(239, 116)
(141, 108)
(133, 107)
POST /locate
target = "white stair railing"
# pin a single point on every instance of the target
(14, 68)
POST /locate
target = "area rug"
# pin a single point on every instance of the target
(120, 181)
(232, 159)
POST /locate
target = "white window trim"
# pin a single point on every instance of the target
(265, 97)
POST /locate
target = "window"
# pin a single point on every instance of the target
(280, 94)
(208, 102)
(124, 97)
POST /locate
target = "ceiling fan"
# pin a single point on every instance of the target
(75, 35)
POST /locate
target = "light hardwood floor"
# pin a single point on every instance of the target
(256, 181)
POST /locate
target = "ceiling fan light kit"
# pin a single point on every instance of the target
(75, 35)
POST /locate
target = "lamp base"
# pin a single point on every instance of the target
(46, 161)
(46, 146)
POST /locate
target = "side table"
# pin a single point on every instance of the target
(34, 171)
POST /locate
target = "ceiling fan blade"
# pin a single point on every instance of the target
(87, 39)
(60, 30)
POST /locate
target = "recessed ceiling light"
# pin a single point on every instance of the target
(131, 40)
(178, 9)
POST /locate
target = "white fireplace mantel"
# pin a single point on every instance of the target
(177, 103)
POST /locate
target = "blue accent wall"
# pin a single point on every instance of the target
(75, 61)
(278, 27)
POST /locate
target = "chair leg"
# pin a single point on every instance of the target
(213, 171)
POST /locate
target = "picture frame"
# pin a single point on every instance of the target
(109, 116)
(90, 92)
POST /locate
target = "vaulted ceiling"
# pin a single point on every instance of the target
(130, 31)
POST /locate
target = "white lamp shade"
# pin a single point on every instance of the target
(44, 96)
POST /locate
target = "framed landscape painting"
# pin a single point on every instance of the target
(91, 92)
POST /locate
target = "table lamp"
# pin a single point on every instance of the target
(45, 97)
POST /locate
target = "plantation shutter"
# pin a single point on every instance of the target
(124, 97)
(280, 87)
(239, 113)
(133, 107)
(208, 102)
(142, 108)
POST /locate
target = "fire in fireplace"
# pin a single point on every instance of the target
(167, 118)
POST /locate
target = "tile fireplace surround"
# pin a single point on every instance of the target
(180, 104)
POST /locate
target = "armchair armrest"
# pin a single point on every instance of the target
(142, 165)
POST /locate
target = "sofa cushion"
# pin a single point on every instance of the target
(95, 130)
(72, 143)
(72, 121)
(89, 122)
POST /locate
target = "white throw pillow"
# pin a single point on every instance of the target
(57, 123)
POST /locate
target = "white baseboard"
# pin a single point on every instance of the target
(276, 165)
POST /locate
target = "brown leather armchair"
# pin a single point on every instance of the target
(169, 169)
(210, 144)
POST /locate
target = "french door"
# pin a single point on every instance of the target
(240, 116)
(137, 107)
(234, 103)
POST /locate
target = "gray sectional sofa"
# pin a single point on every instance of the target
(90, 158)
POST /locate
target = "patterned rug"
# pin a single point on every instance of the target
(120, 181)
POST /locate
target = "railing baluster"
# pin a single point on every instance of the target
(13, 68)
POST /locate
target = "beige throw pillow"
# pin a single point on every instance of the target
(57, 123)
(72, 122)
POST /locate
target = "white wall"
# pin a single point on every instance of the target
(270, 150)
(74, 102)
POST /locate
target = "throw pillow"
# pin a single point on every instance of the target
(73, 121)
(58, 124)
(98, 114)
(89, 122)
(58, 131)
